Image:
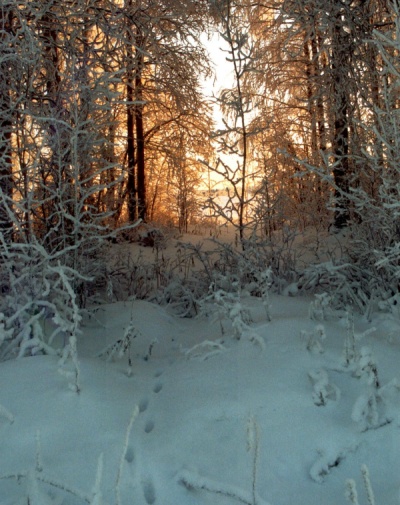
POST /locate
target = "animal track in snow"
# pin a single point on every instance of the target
(149, 492)
(144, 403)
(157, 387)
(158, 373)
(149, 427)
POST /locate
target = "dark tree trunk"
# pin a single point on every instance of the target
(341, 109)
(6, 124)
(130, 127)
(141, 182)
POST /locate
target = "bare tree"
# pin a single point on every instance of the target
(6, 117)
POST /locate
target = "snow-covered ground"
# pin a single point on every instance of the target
(276, 419)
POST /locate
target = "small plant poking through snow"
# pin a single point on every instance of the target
(122, 347)
(229, 306)
(193, 481)
(264, 280)
(373, 408)
(253, 443)
(314, 339)
(38, 459)
(69, 365)
(319, 308)
(323, 392)
(351, 488)
(367, 368)
(351, 492)
(36, 478)
(5, 334)
(365, 411)
(349, 350)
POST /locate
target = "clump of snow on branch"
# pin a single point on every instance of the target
(314, 339)
(68, 365)
(204, 350)
(367, 368)
(323, 391)
(319, 308)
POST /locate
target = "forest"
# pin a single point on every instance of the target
(105, 124)
(204, 157)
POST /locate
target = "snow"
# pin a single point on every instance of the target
(173, 428)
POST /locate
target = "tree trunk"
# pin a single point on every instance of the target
(141, 182)
(6, 178)
(340, 84)
(130, 130)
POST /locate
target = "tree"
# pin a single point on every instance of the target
(164, 60)
(237, 106)
(6, 117)
(56, 105)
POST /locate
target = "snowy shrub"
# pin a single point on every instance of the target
(314, 339)
(228, 272)
(229, 305)
(319, 308)
(41, 302)
(367, 368)
(391, 305)
(129, 275)
(122, 347)
(376, 406)
(68, 365)
(5, 334)
(369, 411)
(323, 391)
(373, 408)
(180, 296)
(264, 282)
(340, 279)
